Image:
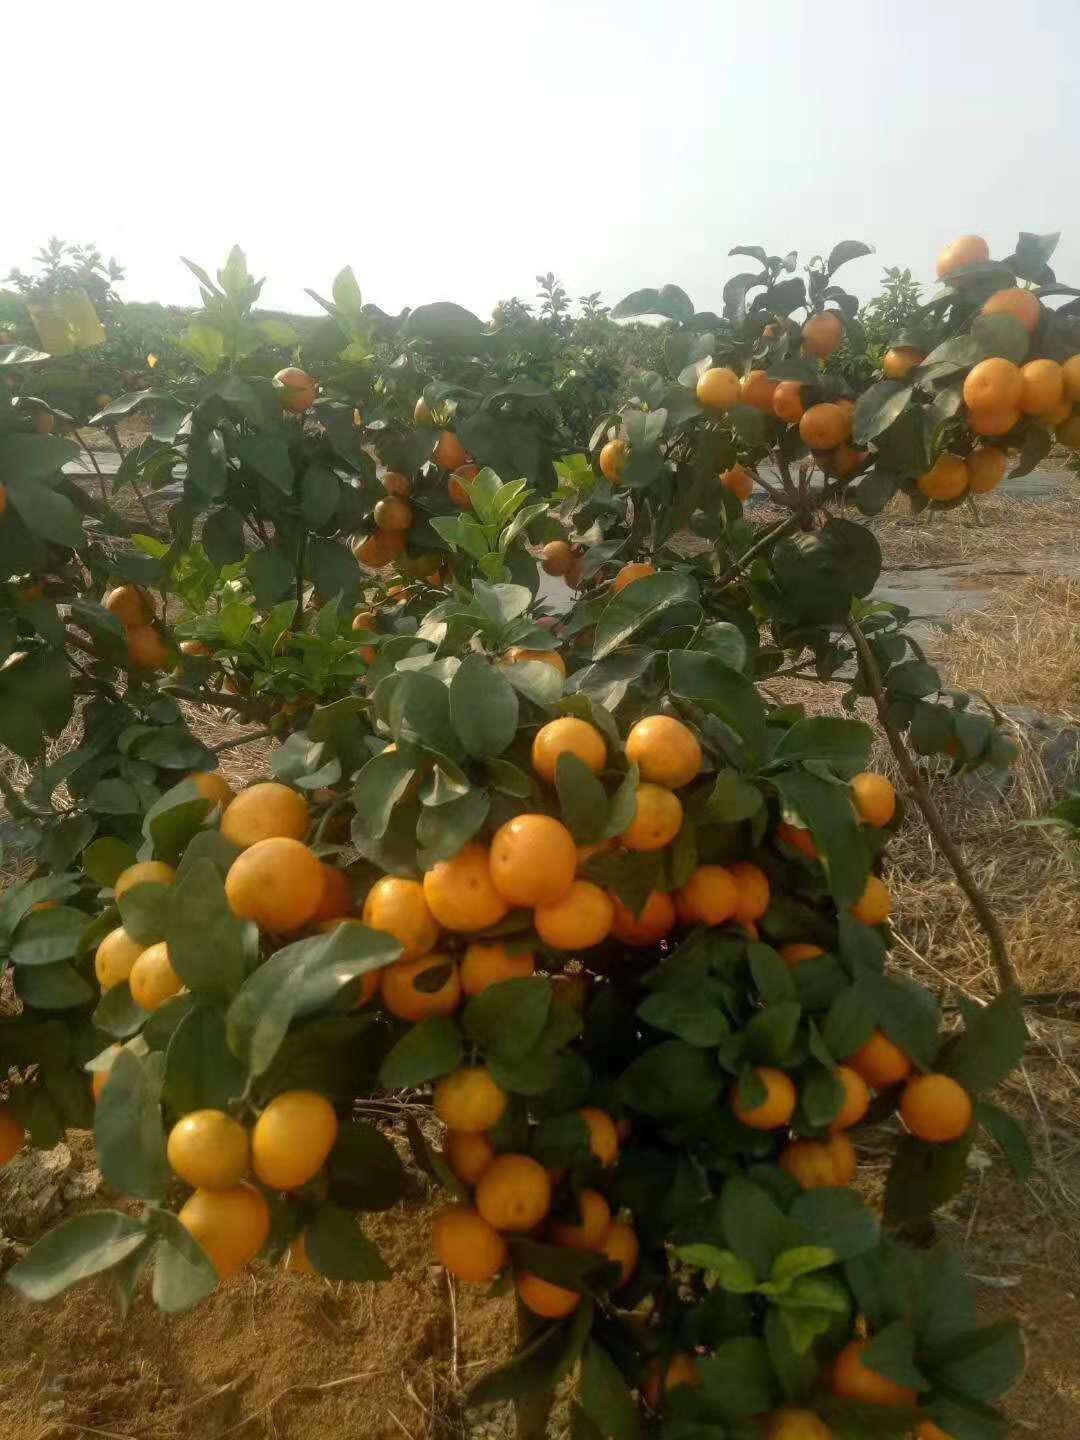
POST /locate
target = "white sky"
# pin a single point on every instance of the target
(455, 151)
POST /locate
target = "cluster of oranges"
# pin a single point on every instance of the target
(131, 605)
(393, 516)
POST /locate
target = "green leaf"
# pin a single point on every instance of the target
(75, 1250)
(381, 784)
(52, 987)
(826, 810)
(174, 819)
(201, 1072)
(733, 799)
(582, 799)
(483, 707)
(205, 939)
(770, 1034)
(604, 1394)
(338, 1248)
(145, 911)
(431, 1048)
(536, 1368)
(114, 797)
(128, 1134)
(104, 859)
(640, 604)
(1001, 335)
(836, 1220)
(444, 829)
(45, 512)
(366, 1172)
(333, 567)
(844, 744)
(47, 936)
(270, 573)
(1009, 1134)
(820, 571)
(738, 1377)
(118, 1015)
(991, 1046)
(268, 457)
(922, 1177)
(849, 1023)
(891, 1353)
(877, 408)
(695, 1014)
(184, 1274)
(801, 1260)
(732, 1273)
(506, 1020)
(981, 1365)
(671, 1080)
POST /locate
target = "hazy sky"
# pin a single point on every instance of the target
(454, 151)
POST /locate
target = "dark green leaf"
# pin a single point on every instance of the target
(75, 1250)
(431, 1048)
(506, 1020)
(483, 707)
(128, 1134)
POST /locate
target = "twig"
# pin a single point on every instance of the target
(289, 1389)
(453, 1329)
(241, 740)
(398, 1423)
(97, 468)
(1006, 973)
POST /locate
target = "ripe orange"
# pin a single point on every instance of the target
(194, 647)
(993, 422)
(824, 426)
(1068, 433)
(581, 918)
(468, 1155)
(637, 570)
(681, 1369)
(457, 492)
(213, 787)
(665, 751)
(12, 1135)
(467, 1245)
(986, 469)
(874, 904)
(403, 998)
(146, 649)
(399, 907)
(152, 978)
(393, 513)
(853, 1380)
(787, 401)
(336, 901)
(278, 883)
(856, 1099)
(460, 893)
(1042, 386)
(145, 872)
(900, 360)
(130, 606)
(514, 1193)
(875, 798)
(1022, 305)
(43, 422)
(292, 1138)
(567, 736)
(590, 1231)
(798, 950)
(753, 887)
(612, 460)
(490, 964)
(968, 250)
(798, 838)
(232, 1226)
(796, 1425)
(449, 453)
(738, 482)
(844, 461)
(98, 1080)
(936, 1108)
(517, 656)
(209, 1150)
(880, 1062)
(603, 1137)
(379, 548)
(533, 860)
(757, 389)
(296, 389)
(717, 389)
(394, 483)
(656, 920)
(929, 1431)
(264, 812)
(994, 385)
(709, 897)
(820, 1164)
(556, 557)
(822, 334)
(621, 1247)
(115, 956)
(778, 1106)
(658, 817)
(550, 1302)
(1070, 374)
(469, 1101)
(1058, 415)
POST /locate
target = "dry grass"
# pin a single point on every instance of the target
(1002, 530)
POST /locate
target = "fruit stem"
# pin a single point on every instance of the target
(1006, 973)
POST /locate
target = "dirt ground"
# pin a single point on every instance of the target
(273, 1356)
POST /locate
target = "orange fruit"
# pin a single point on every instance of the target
(656, 920)
(875, 798)
(900, 360)
(466, 1245)
(612, 461)
(798, 950)
(590, 1231)
(209, 1150)
(399, 907)
(738, 482)
(794, 1424)
(844, 461)
(533, 860)
(370, 980)
(296, 389)
(550, 1302)
(874, 904)
(757, 389)
(394, 483)
(603, 1137)
(581, 918)
(297, 1260)
(1068, 433)
(404, 998)
(469, 1101)
(98, 1080)
(468, 1155)
(665, 751)
(787, 401)
(213, 787)
(292, 1138)
(514, 1193)
(152, 978)
(798, 838)
(824, 426)
(457, 493)
(1042, 386)
(709, 897)
(936, 1108)
(567, 736)
(993, 385)
(145, 872)
(336, 900)
(968, 250)
(146, 649)
(12, 1135)
(929, 1431)
(658, 817)
(489, 964)
(379, 548)
(115, 957)
(264, 812)
(821, 334)
(986, 469)
(778, 1106)
(194, 647)
(517, 656)
(853, 1380)
(556, 557)
(1070, 374)
(130, 606)
(753, 886)
(1059, 414)
(681, 1369)
(232, 1226)
(856, 1099)
(1022, 305)
(993, 422)
(43, 422)
(621, 1247)
(460, 893)
(449, 453)
(278, 883)
(880, 1063)
(819, 1164)
(717, 389)
(637, 570)
(393, 513)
